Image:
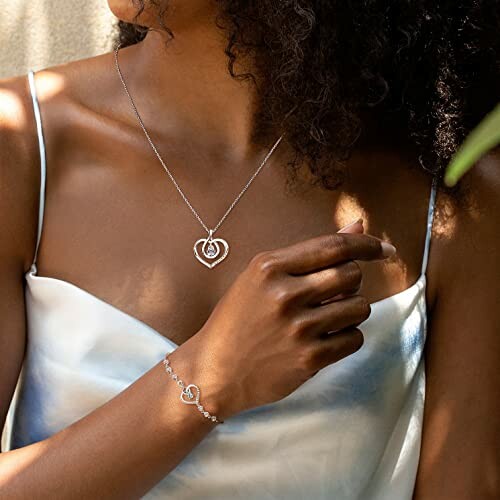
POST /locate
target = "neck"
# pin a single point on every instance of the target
(186, 87)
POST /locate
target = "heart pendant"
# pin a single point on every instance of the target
(193, 396)
(209, 252)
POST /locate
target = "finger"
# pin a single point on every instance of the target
(340, 296)
(328, 250)
(331, 317)
(342, 279)
(346, 289)
(335, 347)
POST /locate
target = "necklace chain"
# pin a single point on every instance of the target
(195, 213)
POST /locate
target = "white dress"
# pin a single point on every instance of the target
(353, 431)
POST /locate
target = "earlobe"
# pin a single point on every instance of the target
(127, 10)
(122, 9)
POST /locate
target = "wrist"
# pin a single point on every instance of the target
(197, 384)
(190, 393)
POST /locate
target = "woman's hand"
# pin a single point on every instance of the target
(269, 332)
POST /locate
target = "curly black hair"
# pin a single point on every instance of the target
(424, 72)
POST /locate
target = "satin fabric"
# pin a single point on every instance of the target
(351, 432)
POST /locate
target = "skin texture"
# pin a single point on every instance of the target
(110, 207)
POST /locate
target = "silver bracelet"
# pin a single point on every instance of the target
(187, 392)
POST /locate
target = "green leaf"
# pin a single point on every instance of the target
(483, 138)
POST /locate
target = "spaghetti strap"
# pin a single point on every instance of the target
(430, 218)
(41, 143)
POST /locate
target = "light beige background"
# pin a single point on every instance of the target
(35, 34)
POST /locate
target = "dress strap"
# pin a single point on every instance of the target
(430, 218)
(43, 161)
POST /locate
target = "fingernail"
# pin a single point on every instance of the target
(388, 250)
(359, 221)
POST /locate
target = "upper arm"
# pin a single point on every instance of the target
(460, 455)
(19, 175)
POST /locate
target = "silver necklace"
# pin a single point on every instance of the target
(209, 251)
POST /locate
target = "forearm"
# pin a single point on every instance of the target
(120, 450)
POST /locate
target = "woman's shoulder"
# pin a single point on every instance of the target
(60, 90)
(465, 233)
(65, 87)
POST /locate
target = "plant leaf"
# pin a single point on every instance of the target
(483, 138)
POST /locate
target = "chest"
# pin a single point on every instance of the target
(121, 231)
(127, 236)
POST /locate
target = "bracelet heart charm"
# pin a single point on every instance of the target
(193, 399)
(190, 394)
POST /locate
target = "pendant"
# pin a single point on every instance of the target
(210, 250)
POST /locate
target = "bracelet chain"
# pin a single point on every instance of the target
(187, 392)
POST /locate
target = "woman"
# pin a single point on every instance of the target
(204, 229)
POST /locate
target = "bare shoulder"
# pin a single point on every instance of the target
(61, 90)
(83, 83)
(465, 236)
